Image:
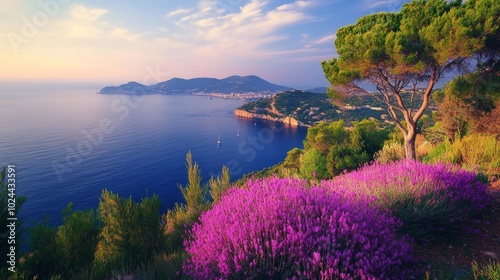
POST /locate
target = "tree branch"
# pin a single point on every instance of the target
(426, 95)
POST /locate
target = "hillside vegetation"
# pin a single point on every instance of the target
(311, 108)
(361, 200)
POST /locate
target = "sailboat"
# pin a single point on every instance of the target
(218, 140)
(238, 135)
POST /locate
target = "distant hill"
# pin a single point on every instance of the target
(317, 90)
(128, 88)
(229, 85)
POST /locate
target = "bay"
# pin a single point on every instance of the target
(69, 143)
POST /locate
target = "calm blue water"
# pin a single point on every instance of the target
(70, 143)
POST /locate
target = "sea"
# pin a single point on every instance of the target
(69, 143)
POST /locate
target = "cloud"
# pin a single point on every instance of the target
(124, 34)
(178, 12)
(86, 24)
(299, 4)
(207, 22)
(245, 29)
(87, 14)
(75, 30)
(326, 39)
(11, 7)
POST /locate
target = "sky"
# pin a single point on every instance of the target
(149, 41)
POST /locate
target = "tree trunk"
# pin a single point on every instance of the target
(410, 145)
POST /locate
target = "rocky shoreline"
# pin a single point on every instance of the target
(285, 120)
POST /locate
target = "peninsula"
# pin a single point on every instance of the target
(306, 108)
(231, 87)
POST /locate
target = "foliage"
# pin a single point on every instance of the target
(278, 170)
(435, 134)
(219, 185)
(132, 233)
(371, 135)
(467, 153)
(395, 53)
(162, 266)
(67, 251)
(42, 261)
(444, 152)
(332, 148)
(423, 147)
(312, 108)
(430, 200)
(295, 230)
(343, 148)
(256, 106)
(292, 160)
(322, 136)
(392, 151)
(487, 272)
(468, 104)
(345, 157)
(77, 241)
(185, 214)
(313, 165)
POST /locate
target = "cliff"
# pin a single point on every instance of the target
(286, 120)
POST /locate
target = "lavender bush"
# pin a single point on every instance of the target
(429, 199)
(283, 228)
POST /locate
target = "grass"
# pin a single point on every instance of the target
(489, 271)
(469, 154)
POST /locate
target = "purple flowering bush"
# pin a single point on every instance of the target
(284, 228)
(430, 200)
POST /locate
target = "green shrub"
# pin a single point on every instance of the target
(323, 135)
(344, 148)
(162, 266)
(77, 241)
(444, 152)
(435, 134)
(292, 161)
(390, 152)
(66, 252)
(371, 136)
(345, 157)
(313, 165)
(184, 215)
(132, 232)
(472, 152)
(220, 184)
(42, 260)
(489, 271)
(482, 151)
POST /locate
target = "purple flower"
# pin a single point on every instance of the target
(426, 198)
(286, 228)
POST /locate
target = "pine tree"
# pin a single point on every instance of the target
(184, 215)
(132, 232)
(219, 185)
